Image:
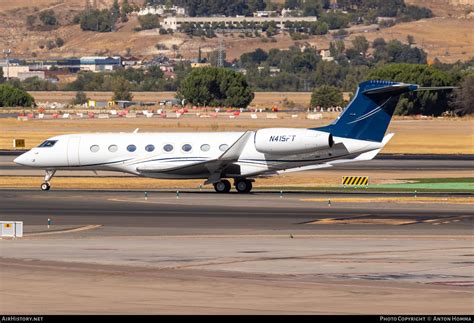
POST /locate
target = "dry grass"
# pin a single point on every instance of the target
(437, 136)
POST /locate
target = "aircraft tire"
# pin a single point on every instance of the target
(45, 187)
(222, 186)
(243, 186)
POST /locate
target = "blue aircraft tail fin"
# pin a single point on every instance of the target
(369, 113)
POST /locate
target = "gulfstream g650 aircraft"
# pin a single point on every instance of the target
(357, 134)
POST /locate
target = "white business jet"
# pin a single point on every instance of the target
(357, 134)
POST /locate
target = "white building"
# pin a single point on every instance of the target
(175, 23)
(13, 71)
(326, 55)
(265, 13)
(162, 10)
(291, 13)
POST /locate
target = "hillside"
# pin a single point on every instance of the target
(448, 37)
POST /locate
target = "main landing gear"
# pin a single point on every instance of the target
(49, 173)
(241, 185)
(222, 187)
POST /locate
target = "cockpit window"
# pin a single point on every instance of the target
(48, 143)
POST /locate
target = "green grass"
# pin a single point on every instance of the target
(461, 185)
(442, 180)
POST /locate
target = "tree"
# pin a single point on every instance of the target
(215, 86)
(378, 42)
(80, 98)
(48, 17)
(50, 44)
(125, 10)
(14, 97)
(115, 11)
(154, 71)
(312, 7)
(464, 98)
(121, 88)
(423, 102)
(96, 20)
(2, 79)
(361, 45)
(149, 21)
(326, 96)
(59, 42)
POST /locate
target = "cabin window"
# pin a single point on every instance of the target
(131, 148)
(168, 148)
(223, 147)
(113, 148)
(48, 143)
(94, 148)
(150, 148)
(205, 147)
(187, 147)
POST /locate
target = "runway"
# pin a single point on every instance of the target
(205, 253)
(163, 213)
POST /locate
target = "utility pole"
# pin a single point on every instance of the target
(7, 53)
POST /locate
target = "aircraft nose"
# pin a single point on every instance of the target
(22, 159)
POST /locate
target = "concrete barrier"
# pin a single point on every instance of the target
(314, 116)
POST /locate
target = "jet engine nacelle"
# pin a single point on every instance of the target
(282, 141)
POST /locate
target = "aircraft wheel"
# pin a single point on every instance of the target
(243, 186)
(222, 186)
(45, 187)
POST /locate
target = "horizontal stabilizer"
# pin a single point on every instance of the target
(436, 88)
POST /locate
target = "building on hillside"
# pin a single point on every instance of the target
(71, 64)
(131, 61)
(291, 13)
(162, 10)
(100, 63)
(265, 13)
(13, 71)
(175, 23)
(326, 55)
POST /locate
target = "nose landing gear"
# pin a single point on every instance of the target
(49, 173)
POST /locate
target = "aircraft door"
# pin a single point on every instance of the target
(73, 151)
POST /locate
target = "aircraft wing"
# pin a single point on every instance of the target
(213, 166)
